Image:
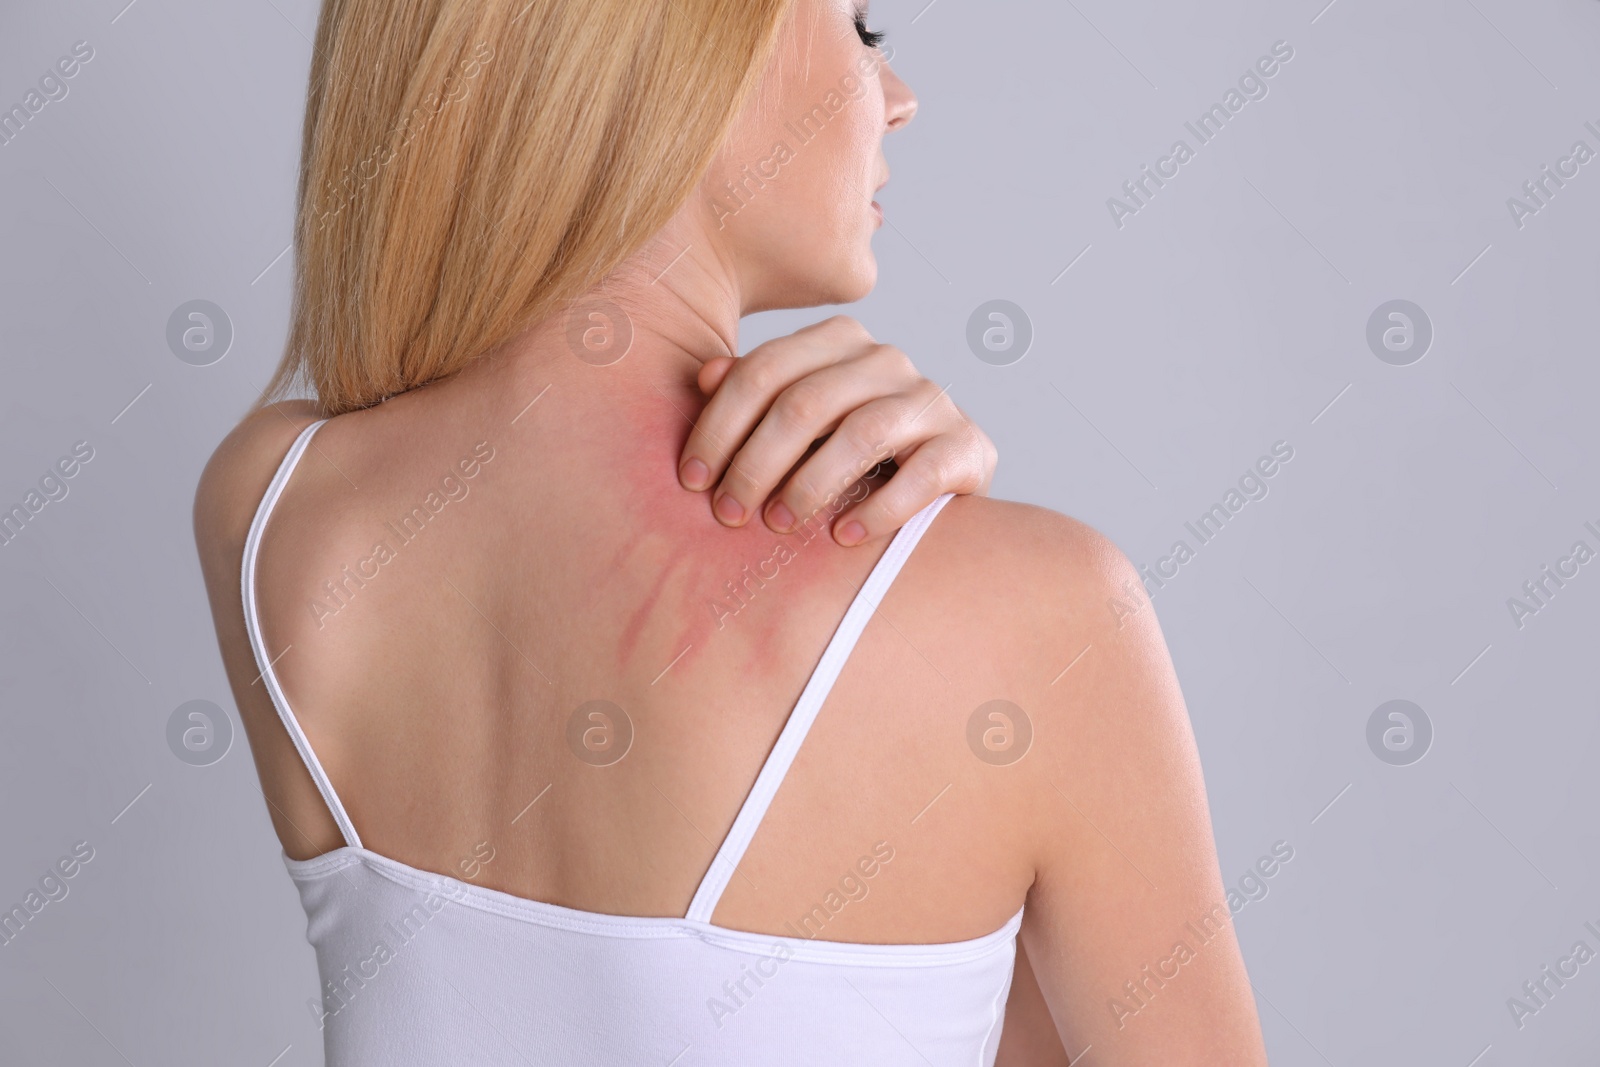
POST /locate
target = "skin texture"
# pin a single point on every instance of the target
(438, 691)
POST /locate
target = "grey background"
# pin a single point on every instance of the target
(1228, 314)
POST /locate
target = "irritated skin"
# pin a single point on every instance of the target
(673, 578)
(699, 577)
(571, 566)
(439, 699)
(575, 569)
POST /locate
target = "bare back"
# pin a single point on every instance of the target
(453, 579)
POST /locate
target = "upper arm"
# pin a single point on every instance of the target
(1127, 928)
(231, 487)
(230, 490)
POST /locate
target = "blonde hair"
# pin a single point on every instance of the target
(469, 167)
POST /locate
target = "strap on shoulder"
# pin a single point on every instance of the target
(252, 622)
(861, 610)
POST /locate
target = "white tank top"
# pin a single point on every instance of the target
(419, 968)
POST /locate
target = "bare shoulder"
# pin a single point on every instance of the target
(1030, 535)
(238, 473)
(1027, 569)
(1048, 613)
(1061, 617)
(1020, 603)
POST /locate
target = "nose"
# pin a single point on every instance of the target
(900, 103)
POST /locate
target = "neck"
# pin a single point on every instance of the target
(675, 304)
(667, 310)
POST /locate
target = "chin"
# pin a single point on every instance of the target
(837, 283)
(855, 280)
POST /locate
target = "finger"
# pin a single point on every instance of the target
(750, 384)
(951, 463)
(693, 473)
(809, 409)
(888, 425)
(713, 372)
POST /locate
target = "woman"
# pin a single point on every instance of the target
(529, 717)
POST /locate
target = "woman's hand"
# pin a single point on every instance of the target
(832, 380)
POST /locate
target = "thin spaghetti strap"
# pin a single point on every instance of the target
(728, 857)
(252, 624)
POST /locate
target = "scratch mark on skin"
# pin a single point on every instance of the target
(699, 577)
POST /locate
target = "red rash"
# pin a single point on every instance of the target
(708, 576)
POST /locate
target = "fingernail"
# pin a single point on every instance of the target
(779, 517)
(694, 474)
(851, 533)
(728, 509)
